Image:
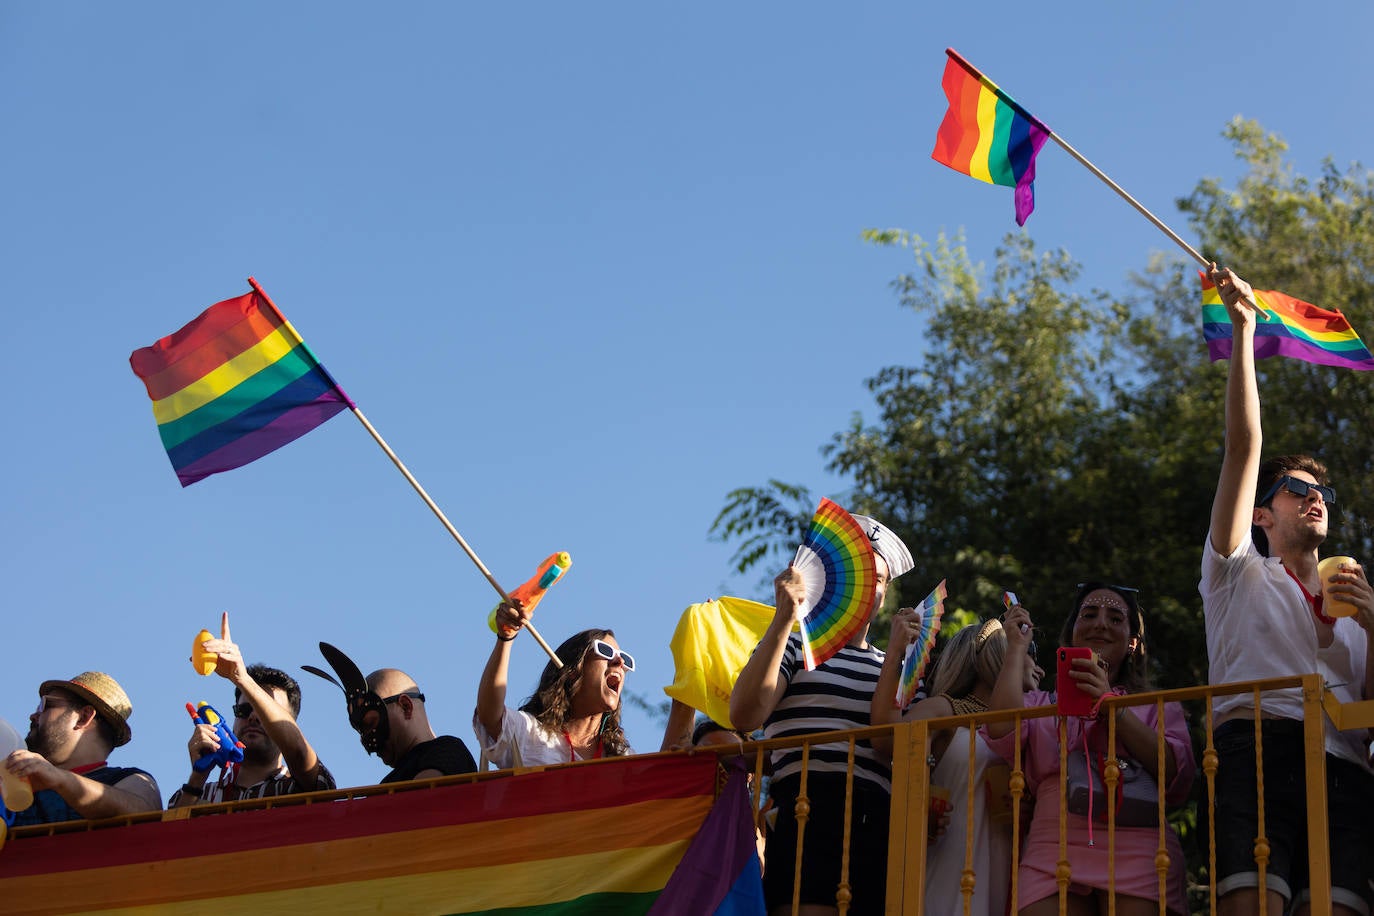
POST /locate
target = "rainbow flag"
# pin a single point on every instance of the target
(720, 873)
(987, 135)
(234, 384)
(1292, 328)
(604, 837)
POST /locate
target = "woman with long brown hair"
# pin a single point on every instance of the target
(574, 713)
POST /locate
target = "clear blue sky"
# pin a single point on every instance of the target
(587, 267)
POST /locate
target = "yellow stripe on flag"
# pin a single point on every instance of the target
(224, 378)
(480, 887)
(987, 119)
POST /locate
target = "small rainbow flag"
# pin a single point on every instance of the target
(1292, 328)
(234, 384)
(931, 609)
(987, 135)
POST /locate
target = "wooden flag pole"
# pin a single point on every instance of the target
(1159, 223)
(405, 472)
(1083, 160)
(1140, 208)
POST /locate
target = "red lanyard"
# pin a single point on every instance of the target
(1313, 601)
(88, 768)
(572, 757)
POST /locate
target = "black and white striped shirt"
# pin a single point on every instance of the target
(837, 695)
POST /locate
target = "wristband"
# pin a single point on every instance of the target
(500, 638)
(188, 789)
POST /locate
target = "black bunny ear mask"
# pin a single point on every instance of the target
(366, 710)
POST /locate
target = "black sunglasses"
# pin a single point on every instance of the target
(242, 710)
(1299, 488)
(413, 694)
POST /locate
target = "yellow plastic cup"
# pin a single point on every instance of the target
(15, 790)
(1333, 605)
(202, 661)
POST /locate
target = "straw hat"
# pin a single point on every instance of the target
(104, 693)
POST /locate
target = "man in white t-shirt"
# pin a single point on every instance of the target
(1262, 600)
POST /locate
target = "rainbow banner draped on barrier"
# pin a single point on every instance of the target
(236, 383)
(1293, 328)
(595, 838)
(986, 135)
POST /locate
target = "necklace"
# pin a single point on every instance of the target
(572, 755)
(966, 706)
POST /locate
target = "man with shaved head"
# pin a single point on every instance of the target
(411, 748)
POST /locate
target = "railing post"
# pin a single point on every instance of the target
(906, 848)
(1314, 750)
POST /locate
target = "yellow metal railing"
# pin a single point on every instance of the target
(911, 786)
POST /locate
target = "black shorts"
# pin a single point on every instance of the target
(1350, 810)
(823, 844)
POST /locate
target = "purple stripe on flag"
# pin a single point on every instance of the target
(720, 871)
(1024, 196)
(284, 429)
(1266, 346)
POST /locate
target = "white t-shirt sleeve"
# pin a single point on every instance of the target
(499, 750)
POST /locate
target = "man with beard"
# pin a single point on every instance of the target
(410, 746)
(277, 759)
(77, 723)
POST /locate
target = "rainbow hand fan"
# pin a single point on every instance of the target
(931, 609)
(836, 562)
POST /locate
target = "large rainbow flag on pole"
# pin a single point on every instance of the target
(234, 384)
(987, 135)
(1293, 328)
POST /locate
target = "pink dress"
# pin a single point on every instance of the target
(1135, 846)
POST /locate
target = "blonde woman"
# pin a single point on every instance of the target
(961, 684)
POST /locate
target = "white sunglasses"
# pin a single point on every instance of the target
(610, 653)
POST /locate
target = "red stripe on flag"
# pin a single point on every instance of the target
(958, 135)
(218, 334)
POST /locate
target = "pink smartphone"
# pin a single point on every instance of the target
(1073, 701)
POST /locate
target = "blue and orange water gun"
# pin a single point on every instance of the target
(532, 592)
(230, 747)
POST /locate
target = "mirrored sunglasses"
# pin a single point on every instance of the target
(610, 653)
(47, 702)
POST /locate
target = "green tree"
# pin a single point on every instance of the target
(1049, 436)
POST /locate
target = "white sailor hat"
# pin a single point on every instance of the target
(887, 545)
